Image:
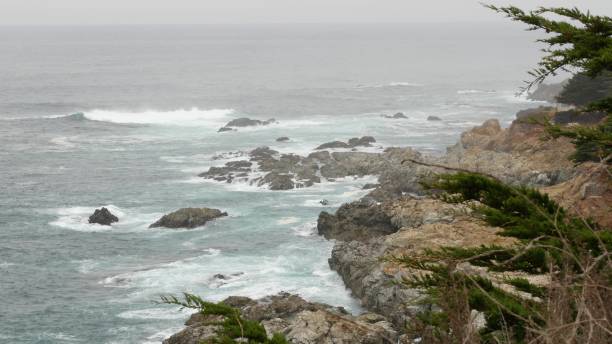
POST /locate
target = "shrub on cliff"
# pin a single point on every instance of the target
(233, 328)
(573, 253)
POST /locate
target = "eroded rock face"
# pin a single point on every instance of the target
(103, 216)
(516, 155)
(188, 218)
(587, 194)
(418, 224)
(300, 321)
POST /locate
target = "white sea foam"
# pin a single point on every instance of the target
(179, 117)
(306, 229)
(475, 91)
(287, 220)
(393, 84)
(77, 219)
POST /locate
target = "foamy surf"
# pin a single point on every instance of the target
(77, 219)
(180, 117)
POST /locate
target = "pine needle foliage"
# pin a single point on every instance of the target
(580, 40)
(234, 328)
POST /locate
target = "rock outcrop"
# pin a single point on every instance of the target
(433, 118)
(287, 171)
(516, 155)
(301, 322)
(416, 225)
(188, 218)
(103, 217)
(244, 122)
(282, 139)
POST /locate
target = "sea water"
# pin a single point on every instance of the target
(127, 117)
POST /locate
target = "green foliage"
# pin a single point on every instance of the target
(583, 42)
(546, 235)
(233, 326)
(524, 285)
(582, 90)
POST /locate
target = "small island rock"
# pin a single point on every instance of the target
(103, 216)
(188, 218)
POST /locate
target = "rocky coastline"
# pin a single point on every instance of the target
(397, 217)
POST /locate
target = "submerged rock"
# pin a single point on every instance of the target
(245, 122)
(103, 216)
(333, 144)
(365, 141)
(282, 139)
(188, 218)
(433, 118)
(399, 115)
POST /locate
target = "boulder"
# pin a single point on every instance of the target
(103, 216)
(282, 139)
(433, 118)
(188, 218)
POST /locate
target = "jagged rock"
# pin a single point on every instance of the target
(516, 155)
(282, 139)
(284, 171)
(301, 322)
(355, 221)
(277, 181)
(324, 202)
(426, 224)
(433, 118)
(188, 218)
(370, 186)
(103, 216)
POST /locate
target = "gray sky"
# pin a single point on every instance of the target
(262, 11)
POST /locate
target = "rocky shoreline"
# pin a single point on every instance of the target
(397, 217)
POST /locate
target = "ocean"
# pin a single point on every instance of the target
(126, 117)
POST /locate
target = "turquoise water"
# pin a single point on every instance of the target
(152, 100)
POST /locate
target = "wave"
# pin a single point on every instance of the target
(475, 91)
(393, 84)
(193, 116)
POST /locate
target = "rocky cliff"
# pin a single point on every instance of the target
(397, 218)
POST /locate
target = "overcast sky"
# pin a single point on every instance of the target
(262, 11)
